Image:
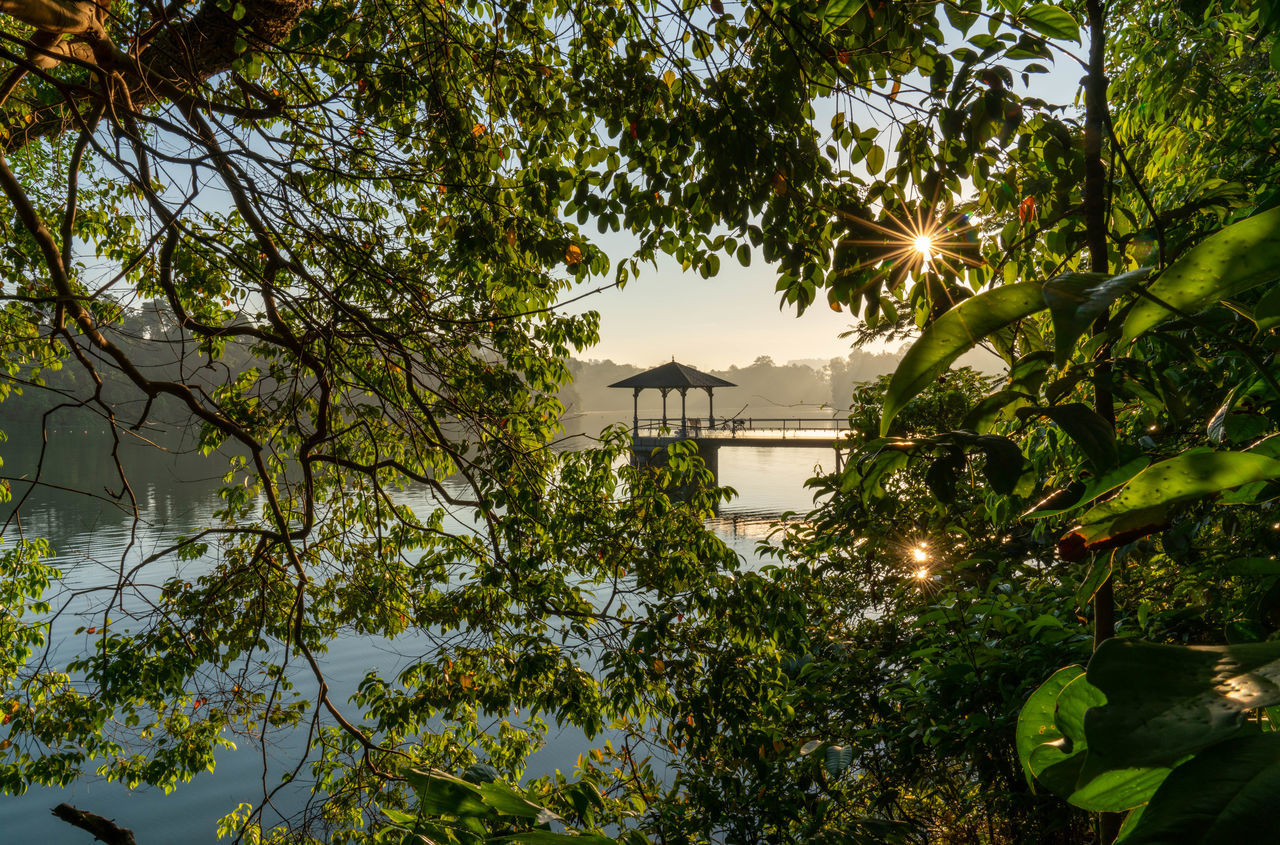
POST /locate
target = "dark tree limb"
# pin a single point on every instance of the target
(103, 830)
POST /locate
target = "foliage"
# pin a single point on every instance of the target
(359, 222)
(1117, 358)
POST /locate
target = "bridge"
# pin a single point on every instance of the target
(710, 434)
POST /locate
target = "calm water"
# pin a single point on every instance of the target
(175, 496)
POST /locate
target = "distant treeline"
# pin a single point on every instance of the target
(44, 402)
(764, 388)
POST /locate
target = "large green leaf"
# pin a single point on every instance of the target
(1258, 491)
(1037, 724)
(1191, 475)
(951, 335)
(508, 802)
(1117, 790)
(1235, 259)
(1094, 487)
(984, 414)
(1165, 702)
(1077, 300)
(443, 794)
(1050, 734)
(839, 12)
(1225, 794)
(1051, 21)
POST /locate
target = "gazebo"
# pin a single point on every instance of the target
(669, 377)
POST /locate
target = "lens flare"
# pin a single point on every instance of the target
(916, 239)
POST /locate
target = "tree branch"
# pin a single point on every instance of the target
(104, 830)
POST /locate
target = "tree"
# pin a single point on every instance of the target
(358, 220)
(371, 208)
(1122, 260)
(1125, 277)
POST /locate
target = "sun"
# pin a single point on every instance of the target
(914, 240)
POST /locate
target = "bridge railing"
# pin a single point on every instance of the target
(742, 427)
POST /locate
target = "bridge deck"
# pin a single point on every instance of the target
(817, 441)
(796, 432)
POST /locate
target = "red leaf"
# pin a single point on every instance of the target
(1027, 209)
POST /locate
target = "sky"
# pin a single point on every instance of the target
(734, 317)
(712, 323)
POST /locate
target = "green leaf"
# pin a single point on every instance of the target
(443, 794)
(1224, 794)
(959, 18)
(1099, 572)
(1191, 475)
(1165, 702)
(1036, 721)
(985, 413)
(1056, 760)
(875, 159)
(400, 818)
(1267, 312)
(1095, 487)
(1051, 22)
(1117, 790)
(951, 335)
(508, 802)
(1077, 300)
(838, 12)
(1239, 257)
(1091, 433)
(1003, 464)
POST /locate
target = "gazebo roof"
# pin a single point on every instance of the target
(673, 375)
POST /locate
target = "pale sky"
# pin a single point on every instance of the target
(711, 323)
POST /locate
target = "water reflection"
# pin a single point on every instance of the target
(175, 495)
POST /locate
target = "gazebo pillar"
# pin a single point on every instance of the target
(711, 408)
(665, 391)
(684, 422)
(635, 411)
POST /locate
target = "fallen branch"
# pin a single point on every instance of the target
(104, 830)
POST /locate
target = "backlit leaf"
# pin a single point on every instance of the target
(1165, 702)
(1077, 300)
(951, 335)
(1051, 22)
(1239, 257)
(1191, 475)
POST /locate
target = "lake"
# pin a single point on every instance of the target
(178, 495)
